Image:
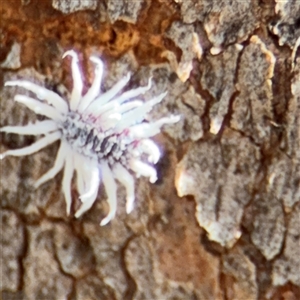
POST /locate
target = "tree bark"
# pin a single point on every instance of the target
(223, 219)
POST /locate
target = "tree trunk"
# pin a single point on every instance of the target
(223, 219)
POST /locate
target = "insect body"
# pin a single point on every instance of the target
(103, 136)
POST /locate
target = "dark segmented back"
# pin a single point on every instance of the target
(87, 140)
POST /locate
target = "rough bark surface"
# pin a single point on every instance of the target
(223, 220)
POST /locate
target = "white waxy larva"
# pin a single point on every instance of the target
(103, 136)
